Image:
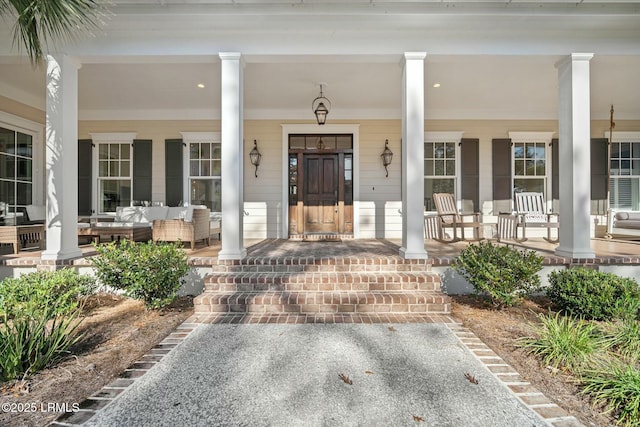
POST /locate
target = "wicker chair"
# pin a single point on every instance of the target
(172, 230)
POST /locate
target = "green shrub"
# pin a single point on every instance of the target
(27, 295)
(563, 341)
(147, 271)
(617, 386)
(31, 343)
(504, 274)
(594, 294)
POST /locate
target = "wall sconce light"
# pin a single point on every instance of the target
(321, 106)
(387, 156)
(255, 156)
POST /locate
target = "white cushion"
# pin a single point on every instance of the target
(36, 212)
(151, 213)
(140, 213)
(176, 212)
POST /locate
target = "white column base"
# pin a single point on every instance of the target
(226, 254)
(574, 252)
(419, 254)
(60, 255)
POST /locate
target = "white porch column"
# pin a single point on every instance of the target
(574, 128)
(61, 158)
(413, 156)
(232, 159)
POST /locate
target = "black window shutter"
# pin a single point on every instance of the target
(501, 162)
(142, 151)
(470, 159)
(599, 176)
(555, 177)
(85, 162)
(173, 171)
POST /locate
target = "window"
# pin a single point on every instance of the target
(625, 172)
(531, 163)
(16, 170)
(114, 176)
(113, 170)
(441, 157)
(529, 167)
(204, 174)
(204, 166)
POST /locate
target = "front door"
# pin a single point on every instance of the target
(320, 193)
(320, 184)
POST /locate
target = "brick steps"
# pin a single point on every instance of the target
(312, 264)
(322, 302)
(259, 282)
(306, 286)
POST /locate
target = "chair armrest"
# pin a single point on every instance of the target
(475, 215)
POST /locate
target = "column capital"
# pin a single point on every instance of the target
(230, 55)
(71, 60)
(573, 58)
(408, 56)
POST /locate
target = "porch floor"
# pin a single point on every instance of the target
(607, 251)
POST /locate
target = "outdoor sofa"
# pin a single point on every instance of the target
(623, 223)
(168, 224)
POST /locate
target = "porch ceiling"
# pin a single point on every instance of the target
(494, 59)
(472, 87)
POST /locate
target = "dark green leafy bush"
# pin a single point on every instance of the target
(594, 294)
(504, 274)
(147, 271)
(27, 295)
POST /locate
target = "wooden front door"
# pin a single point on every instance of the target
(320, 194)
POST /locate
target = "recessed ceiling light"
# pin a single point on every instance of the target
(200, 85)
(436, 85)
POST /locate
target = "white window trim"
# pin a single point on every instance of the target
(456, 137)
(621, 137)
(546, 137)
(188, 138)
(107, 138)
(36, 130)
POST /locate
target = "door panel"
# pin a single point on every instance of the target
(321, 193)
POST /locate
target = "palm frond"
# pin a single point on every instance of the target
(43, 23)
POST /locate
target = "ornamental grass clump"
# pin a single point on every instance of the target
(563, 341)
(147, 271)
(623, 340)
(506, 275)
(39, 319)
(617, 386)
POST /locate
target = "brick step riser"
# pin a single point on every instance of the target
(318, 268)
(428, 286)
(435, 308)
(288, 278)
(323, 302)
